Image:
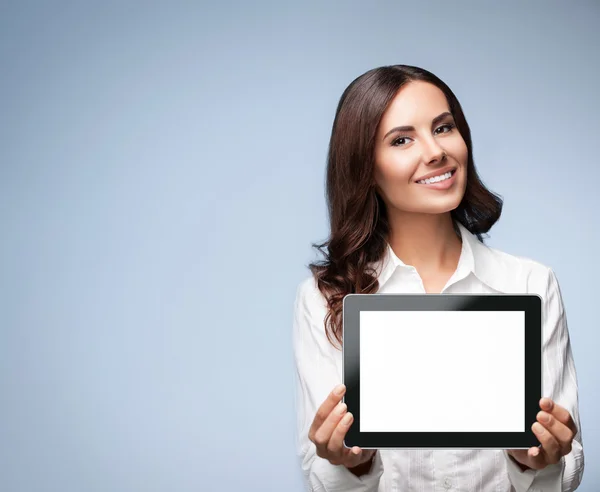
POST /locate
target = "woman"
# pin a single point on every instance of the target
(407, 213)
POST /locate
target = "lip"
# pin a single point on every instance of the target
(442, 185)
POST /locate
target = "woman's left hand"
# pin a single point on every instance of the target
(555, 430)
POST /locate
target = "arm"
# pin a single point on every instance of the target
(559, 383)
(317, 372)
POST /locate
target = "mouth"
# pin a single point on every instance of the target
(441, 182)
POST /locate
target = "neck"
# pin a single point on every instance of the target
(425, 241)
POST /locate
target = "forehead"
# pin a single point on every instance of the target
(417, 103)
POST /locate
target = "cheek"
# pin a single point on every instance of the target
(459, 149)
(395, 169)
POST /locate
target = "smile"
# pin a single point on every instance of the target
(437, 179)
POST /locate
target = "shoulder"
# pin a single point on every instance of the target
(524, 264)
(516, 273)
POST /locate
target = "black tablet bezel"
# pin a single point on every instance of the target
(530, 304)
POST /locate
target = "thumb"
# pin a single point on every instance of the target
(531, 457)
(358, 456)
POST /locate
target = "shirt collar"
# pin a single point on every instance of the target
(475, 257)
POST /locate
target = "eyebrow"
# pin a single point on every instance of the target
(435, 121)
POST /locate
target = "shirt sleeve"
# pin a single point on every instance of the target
(559, 382)
(318, 371)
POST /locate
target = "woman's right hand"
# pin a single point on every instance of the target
(329, 428)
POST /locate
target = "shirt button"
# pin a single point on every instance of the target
(447, 483)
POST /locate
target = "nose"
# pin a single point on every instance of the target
(433, 153)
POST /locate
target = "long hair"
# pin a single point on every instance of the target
(359, 226)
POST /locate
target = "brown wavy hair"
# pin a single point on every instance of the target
(359, 225)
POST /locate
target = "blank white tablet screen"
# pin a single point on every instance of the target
(442, 371)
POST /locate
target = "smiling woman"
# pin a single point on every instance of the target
(395, 127)
(407, 214)
(430, 152)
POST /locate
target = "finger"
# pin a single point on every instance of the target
(325, 409)
(550, 447)
(324, 433)
(335, 446)
(559, 412)
(560, 431)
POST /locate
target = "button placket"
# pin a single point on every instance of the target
(442, 469)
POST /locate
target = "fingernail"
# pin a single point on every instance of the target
(339, 389)
(545, 417)
(341, 408)
(539, 428)
(535, 451)
(347, 418)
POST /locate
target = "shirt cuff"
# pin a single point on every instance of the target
(337, 478)
(547, 479)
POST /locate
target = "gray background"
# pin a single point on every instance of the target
(162, 177)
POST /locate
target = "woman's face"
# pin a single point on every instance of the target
(432, 147)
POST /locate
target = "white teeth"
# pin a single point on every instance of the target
(436, 179)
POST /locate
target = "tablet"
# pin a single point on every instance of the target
(442, 370)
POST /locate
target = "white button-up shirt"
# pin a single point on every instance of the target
(481, 269)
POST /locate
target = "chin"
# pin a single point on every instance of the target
(437, 205)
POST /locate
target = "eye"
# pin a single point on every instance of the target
(398, 142)
(449, 126)
(395, 143)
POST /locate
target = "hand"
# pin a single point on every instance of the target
(328, 429)
(555, 430)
